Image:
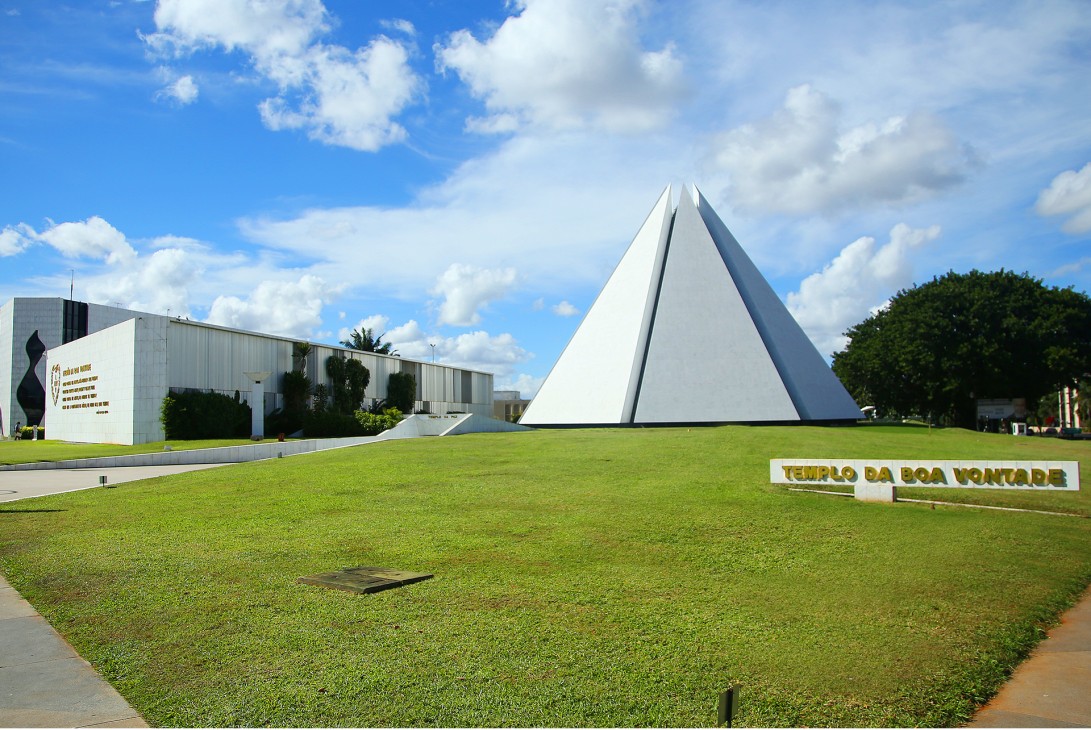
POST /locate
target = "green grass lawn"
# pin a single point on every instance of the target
(20, 452)
(582, 577)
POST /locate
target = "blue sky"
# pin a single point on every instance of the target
(468, 173)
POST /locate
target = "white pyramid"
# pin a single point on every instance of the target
(687, 330)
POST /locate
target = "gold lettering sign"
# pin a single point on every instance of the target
(960, 474)
(78, 389)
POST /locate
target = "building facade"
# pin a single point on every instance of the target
(28, 328)
(102, 376)
(508, 405)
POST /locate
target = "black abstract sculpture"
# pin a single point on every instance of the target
(31, 394)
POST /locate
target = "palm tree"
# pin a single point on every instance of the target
(365, 340)
(301, 350)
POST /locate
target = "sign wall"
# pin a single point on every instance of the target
(1044, 475)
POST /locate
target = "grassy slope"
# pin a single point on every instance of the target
(20, 452)
(607, 577)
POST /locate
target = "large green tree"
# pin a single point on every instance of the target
(364, 339)
(940, 346)
(348, 381)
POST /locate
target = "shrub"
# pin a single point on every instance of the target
(297, 395)
(401, 391)
(283, 421)
(297, 391)
(321, 398)
(330, 424)
(26, 433)
(375, 423)
(196, 414)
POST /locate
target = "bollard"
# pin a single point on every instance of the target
(102, 481)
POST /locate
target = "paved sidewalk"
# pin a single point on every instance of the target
(44, 682)
(15, 485)
(1052, 688)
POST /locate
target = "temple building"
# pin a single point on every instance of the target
(687, 331)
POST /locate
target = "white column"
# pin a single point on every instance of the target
(257, 403)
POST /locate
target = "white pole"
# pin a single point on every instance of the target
(257, 403)
(257, 411)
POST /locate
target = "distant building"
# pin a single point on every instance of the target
(508, 405)
(1068, 411)
(687, 330)
(99, 374)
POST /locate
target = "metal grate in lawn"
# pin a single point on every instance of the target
(364, 579)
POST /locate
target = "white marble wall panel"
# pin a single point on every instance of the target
(91, 392)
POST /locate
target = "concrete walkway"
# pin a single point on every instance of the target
(44, 682)
(414, 426)
(1052, 688)
(25, 484)
(217, 455)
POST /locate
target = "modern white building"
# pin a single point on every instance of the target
(28, 328)
(687, 331)
(99, 374)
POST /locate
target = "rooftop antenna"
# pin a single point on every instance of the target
(72, 285)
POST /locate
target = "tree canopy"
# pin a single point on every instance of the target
(940, 346)
(401, 391)
(348, 381)
(365, 340)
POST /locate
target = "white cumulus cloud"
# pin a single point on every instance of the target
(527, 385)
(400, 25)
(15, 239)
(93, 238)
(157, 283)
(291, 308)
(1069, 194)
(266, 28)
(337, 95)
(564, 64)
(347, 98)
(182, 91)
(467, 289)
(858, 281)
(801, 161)
(498, 354)
(564, 309)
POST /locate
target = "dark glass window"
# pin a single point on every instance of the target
(75, 321)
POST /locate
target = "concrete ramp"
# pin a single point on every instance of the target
(413, 426)
(422, 424)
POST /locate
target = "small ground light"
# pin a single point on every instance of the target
(102, 480)
(729, 705)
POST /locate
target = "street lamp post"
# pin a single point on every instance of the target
(433, 346)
